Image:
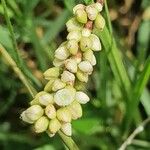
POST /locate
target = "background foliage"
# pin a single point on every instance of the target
(119, 87)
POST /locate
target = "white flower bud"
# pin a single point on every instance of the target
(75, 109)
(48, 87)
(51, 73)
(74, 35)
(58, 84)
(73, 24)
(66, 129)
(62, 53)
(58, 63)
(68, 77)
(54, 126)
(79, 6)
(63, 115)
(78, 57)
(25, 118)
(41, 125)
(71, 65)
(64, 97)
(86, 32)
(99, 22)
(50, 134)
(81, 97)
(89, 56)
(96, 44)
(34, 112)
(83, 77)
(81, 16)
(98, 6)
(85, 44)
(92, 12)
(72, 46)
(50, 111)
(86, 67)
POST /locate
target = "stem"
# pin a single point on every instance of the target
(138, 130)
(67, 140)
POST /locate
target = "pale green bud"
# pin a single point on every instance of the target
(99, 22)
(50, 111)
(49, 85)
(44, 98)
(73, 24)
(64, 97)
(75, 109)
(41, 124)
(35, 101)
(54, 126)
(63, 115)
(25, 118)
(77, 57)
(79, 6)
(86, 32)
(62, 53)
(81, 97)
(72, 46)
(98, 6)
(71, 65)
(58, 84)
(85, 44)
(68, 77)
(58, 63)
(86, 67)
(81, 16)
(51, 73)
(34, 112)
(79, 85)
(91, 12)
(74, 35)
(66, 129)
(83, 77)
(89, 56)
(96, 44)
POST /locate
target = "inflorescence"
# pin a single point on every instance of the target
(54, 108)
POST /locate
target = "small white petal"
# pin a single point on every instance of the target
(66, 129)
(81, 97)
(71, 65)
(79, 6)
(74, 35)
(96, 44)
(68, 77)
(86, 32)
(86, 67)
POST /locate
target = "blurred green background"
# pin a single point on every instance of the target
(119, 87)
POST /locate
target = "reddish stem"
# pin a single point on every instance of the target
(89, 25)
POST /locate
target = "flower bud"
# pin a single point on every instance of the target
(64, 97)
(92, 12)
(96, 44)
(58, 84)
(66, 129)
(25, 118)
(50, 111)
(81, 16)
(62, 53)
(41, 125)
(79, 85)
(78, 57)
(54, 126)
(73, 24)
(99, 22)
(57, 62)
(44, 98)
(75, 109)
(71, 65)
(89, 56)
(68, 77)
(34, 112)
(83, 77)
(72, 46)
(51, 73)
(79, 6)
(48, 87)
(50, 134)
(86, 32)
(81, 97)
(74, 35)
(85, 44)
(98, 6)
(63, 115)
(86, 67)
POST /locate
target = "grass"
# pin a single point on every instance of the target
(119, 87)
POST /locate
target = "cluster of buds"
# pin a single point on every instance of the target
(59, 103)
